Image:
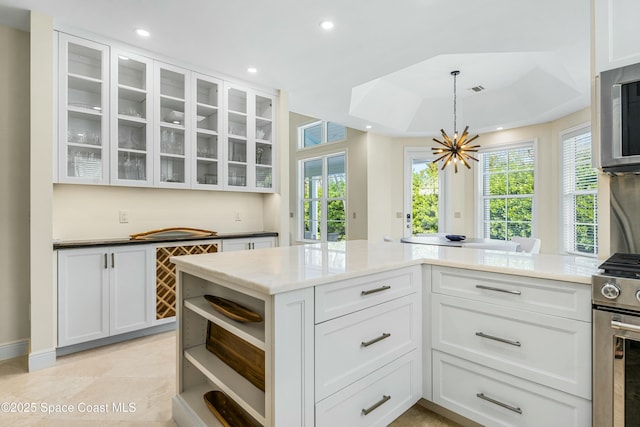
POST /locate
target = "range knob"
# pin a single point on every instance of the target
(611, 291)
(638, 295)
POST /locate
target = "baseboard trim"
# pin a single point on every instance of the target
(42, 359)
(164, 327)
(14, 349)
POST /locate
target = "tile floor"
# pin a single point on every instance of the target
(126, 384)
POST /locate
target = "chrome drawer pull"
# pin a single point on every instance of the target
(375, 340)
(373, 291)
(106, 265)
(496, 402)
(615, 324)
(491, 288)
(491, 337)
(376, 405)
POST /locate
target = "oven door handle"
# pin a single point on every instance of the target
(615, 324)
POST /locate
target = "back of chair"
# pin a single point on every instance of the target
(528, 244)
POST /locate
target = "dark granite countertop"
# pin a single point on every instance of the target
(74, 244)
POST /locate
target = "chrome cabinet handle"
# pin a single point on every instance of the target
(497, 402)
(491, 288)
(376, 290)
(375, 340)
(106, 263)
(615, 324)
(113, 260)
(491, 337)
(376, 405)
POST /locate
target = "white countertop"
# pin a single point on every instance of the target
(286, 268)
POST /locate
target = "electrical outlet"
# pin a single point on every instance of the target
(237, 216)
(457, 215)
(123, 216)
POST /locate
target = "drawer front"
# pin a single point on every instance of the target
(542, 296)
(493, 398)
(353, 346)
(549, 350)
(346, 296)
(375, 400)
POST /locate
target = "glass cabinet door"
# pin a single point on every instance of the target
(131, 154)
(208, 170)
(171, 166)
(237, 142)
(83, 111)
(264, 142)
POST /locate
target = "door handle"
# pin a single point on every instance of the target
(615, 324)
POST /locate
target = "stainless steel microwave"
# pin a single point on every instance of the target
(620, 119)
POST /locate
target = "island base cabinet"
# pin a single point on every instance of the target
(375, 400)
(493, 398)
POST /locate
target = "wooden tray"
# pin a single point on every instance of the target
(232, 310)
(227, 411)
(173, 232)
(243, 357)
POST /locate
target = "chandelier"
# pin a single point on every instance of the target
(456, 149)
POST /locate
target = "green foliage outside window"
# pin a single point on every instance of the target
(425, 200)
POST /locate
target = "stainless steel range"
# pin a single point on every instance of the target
(616, 342)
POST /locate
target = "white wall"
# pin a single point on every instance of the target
(14, 185)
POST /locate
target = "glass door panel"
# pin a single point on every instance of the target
(207, 126)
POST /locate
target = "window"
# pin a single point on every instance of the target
(320, 132)
(323, 202)
(507, 192)
(579, 194)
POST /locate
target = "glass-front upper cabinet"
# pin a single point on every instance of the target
(264, 141)
(250, 133)
(131, 132)
(171, 167)
(206, 127)
(83, 138)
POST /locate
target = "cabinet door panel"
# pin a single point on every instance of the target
(131, 289)
(83, 296)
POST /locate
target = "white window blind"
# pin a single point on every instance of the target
(580, 194)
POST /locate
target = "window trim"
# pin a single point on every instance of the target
(479, 199)
(324, 200)
(575, 130)
(323, 143)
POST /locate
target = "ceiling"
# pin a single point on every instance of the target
(385, 64)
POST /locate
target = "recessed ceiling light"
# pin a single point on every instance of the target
(499, 128)
(142, 33)
(326, 25)
(252, 70)
(368, 126)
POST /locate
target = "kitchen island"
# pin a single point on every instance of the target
(352, 332)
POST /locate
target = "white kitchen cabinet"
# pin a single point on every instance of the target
(128, 119)
(173, 116)
(83, 110)
(208, 161)
(378, 379)
(511, 350)
(104, 291)
(250, 131)
(229, 245)
(617, 44)
(131, 118)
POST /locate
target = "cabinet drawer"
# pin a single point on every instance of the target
(346, 296)
(350, 347)
(549, 350)
(478, 393)
(540, 295)
(394, 388)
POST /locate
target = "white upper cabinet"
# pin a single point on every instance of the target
(127, 119)
(207, 124)
(617, 41)
(131, 118)
(250, 132)
(171, 167)
(83, 106)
